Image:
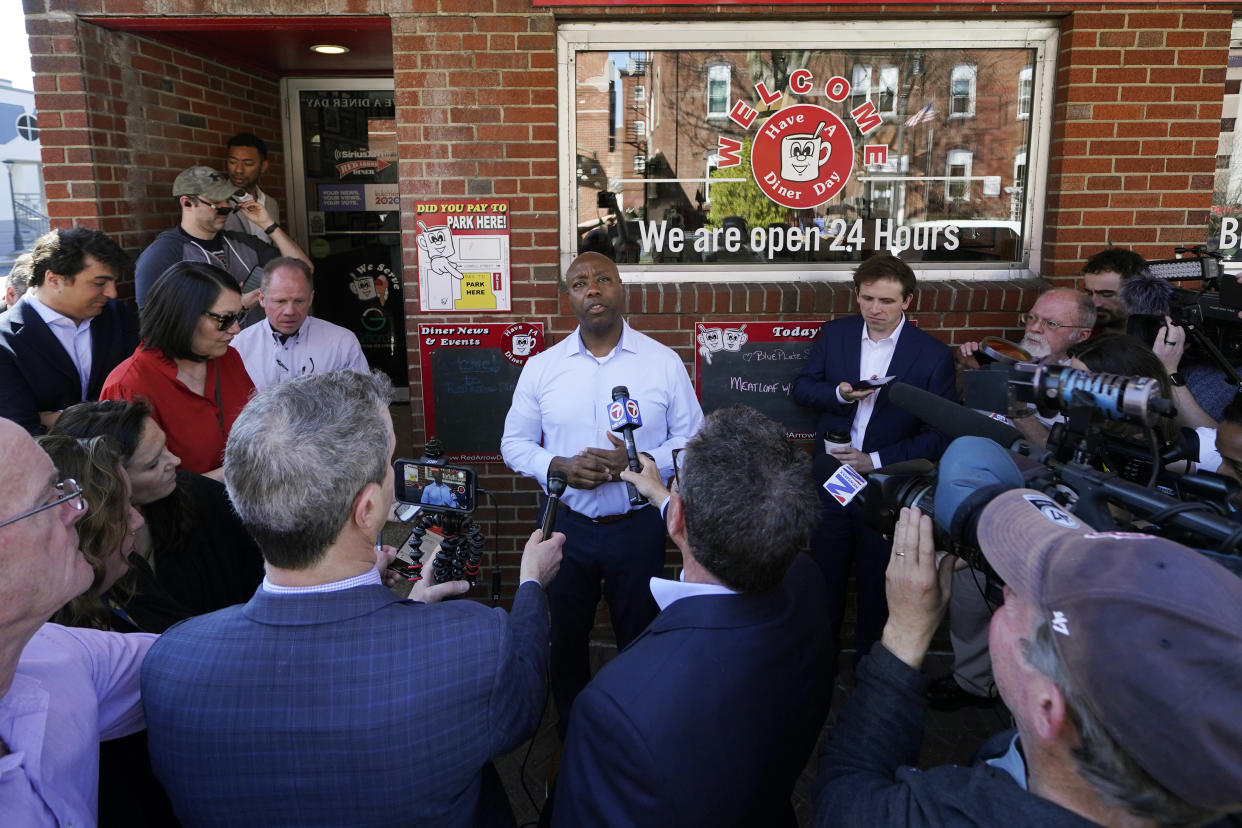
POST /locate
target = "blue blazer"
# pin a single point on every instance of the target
(349, 708)
(36, 374)
(707, 718)
(919, 360)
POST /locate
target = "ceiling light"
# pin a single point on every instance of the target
(329, 49)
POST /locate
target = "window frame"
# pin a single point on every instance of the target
(965, 159)
(973, 71)
(1026, 75)
(1040, 36)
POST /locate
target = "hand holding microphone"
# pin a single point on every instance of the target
(623, 416)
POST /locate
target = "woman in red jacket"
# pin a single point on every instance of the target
(184, 369)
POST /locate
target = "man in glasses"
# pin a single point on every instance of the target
(61, 690)
(1059, 319)
(207, 199)
(68, 331)
(711, 714)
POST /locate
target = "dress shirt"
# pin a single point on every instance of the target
(371, 576)
(560, 407)
(317, 347)
(665, 592)
(873, 361)
(75, 338)
(191, 421)
(73, 688)
(437, 494)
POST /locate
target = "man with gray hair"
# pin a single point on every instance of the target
(710, 715)
(294, 708)
(18, 279)
(1118, 654)
(292, 343)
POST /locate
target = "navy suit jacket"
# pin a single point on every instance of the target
(708, 717)
(36, 374)
(348, 708)
(919, 360)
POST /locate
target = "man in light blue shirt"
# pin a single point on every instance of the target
(558, 421)
(437, 492)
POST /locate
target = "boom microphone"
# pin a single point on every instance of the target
(556, 487)
(949, 418)
(623, 416)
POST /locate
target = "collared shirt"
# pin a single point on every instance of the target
(665, 592)
(73, 688)
(371, 576)
(437, 494)
(317, 347)
(560, 407)
(1012, 762)
(873, 361)
(75, 338)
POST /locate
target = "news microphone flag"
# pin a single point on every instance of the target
(623, 413)
(844, 484)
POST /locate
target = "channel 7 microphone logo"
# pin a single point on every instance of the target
(624, 414)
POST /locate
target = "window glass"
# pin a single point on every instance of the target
(1026, 88)
(1225, 222)
(779, 159)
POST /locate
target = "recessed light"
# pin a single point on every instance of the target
(329, 49)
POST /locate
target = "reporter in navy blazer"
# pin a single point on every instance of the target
(883, 434)
(73, 282)
(710, 715)
(327, 700)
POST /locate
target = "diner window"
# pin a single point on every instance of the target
(718, 79)
(761, 170)
(1225, 220)
(962, 90)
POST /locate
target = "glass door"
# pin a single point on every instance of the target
(341, 138)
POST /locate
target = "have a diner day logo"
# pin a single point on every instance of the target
(803, 154)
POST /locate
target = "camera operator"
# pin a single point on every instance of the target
(292, 709)
(1119, 655)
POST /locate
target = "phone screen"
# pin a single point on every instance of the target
(440, 488)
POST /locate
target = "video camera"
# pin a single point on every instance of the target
(430, 494)
(996, 458)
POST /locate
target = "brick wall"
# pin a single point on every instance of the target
(1135, 120)
(121, 115)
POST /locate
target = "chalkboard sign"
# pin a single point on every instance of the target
(469, 373)
(754, 364)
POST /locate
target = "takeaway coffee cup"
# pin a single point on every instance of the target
(836, 439)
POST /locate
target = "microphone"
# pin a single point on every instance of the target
(1147, 295)
(556, 487)
(949, 418)
(623, 416)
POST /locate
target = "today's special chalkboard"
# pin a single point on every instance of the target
(469, 373)
(754, 364)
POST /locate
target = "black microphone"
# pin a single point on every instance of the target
(950, 419)
(623, 416)
(556, 487)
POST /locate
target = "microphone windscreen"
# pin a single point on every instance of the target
(1146, 295)
(949, 418)
(968, 465)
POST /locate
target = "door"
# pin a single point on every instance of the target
(345, 203)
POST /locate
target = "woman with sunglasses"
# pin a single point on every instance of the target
(193, 540)
(184, 369)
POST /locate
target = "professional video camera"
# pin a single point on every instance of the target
(1209, 314)
(430, 494)
(989, 456)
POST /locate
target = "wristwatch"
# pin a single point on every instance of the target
(1177, 380)
(275, 225)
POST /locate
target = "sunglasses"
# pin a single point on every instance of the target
(220, 211)
(224, 321)
(70, 492)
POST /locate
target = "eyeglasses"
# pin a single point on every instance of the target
(676, 478)
(1034, 319)
(225, 320)
(70, 492)
(220, 211)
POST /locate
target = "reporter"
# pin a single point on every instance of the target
(192, 538)
(1119, 655)
(184, 368)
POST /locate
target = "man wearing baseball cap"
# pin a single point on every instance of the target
(1119, 655)
(206, 200)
